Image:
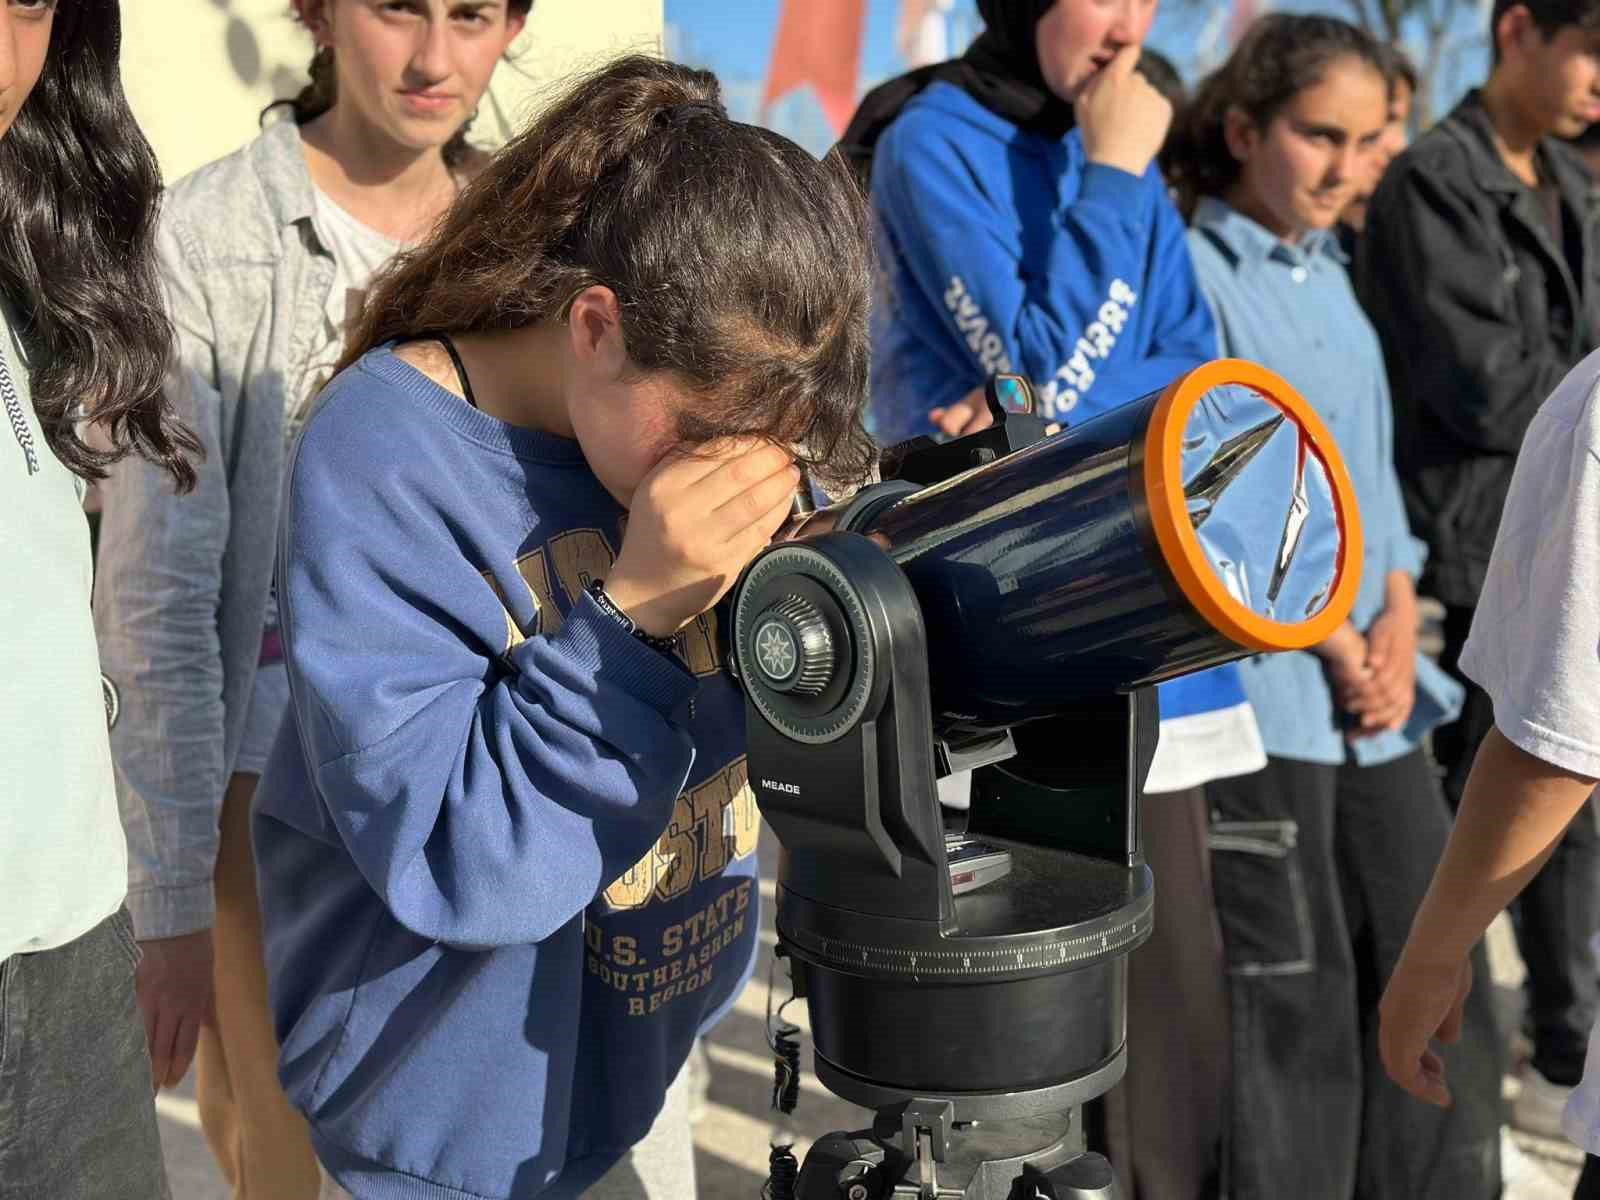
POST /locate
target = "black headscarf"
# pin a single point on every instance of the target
(1000, 71)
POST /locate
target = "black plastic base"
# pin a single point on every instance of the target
(1026, 994)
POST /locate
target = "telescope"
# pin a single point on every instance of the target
(1004, 604)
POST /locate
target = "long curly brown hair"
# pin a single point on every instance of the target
(741, 264)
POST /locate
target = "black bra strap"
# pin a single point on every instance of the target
(461, 371)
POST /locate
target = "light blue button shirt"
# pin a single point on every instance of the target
(1291, 309)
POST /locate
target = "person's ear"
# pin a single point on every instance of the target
(1239, 133)
(1514, 28)
(594, 330)
(516, 22)
(314, 15)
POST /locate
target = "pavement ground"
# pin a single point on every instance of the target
(734, 1126)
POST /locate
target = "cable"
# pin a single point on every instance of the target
(786, 1069)
(783, 1039)
(783, 1173)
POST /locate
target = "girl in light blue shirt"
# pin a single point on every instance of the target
(1320, 858)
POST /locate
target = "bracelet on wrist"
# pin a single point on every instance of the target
(597, 589)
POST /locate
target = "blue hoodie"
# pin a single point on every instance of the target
(506, 851)
(1004, 251)
(1001, 250)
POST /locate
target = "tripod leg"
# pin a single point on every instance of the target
(860, 1166)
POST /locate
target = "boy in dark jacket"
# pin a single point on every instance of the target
(1480, 268)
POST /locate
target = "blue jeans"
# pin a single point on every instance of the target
(77, 1115)
(1317, 872)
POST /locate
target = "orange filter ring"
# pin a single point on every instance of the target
(1174, 531)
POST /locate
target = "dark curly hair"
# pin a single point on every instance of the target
(1281, 56)
(79, 193)
(741, 264)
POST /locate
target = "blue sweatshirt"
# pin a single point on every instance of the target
(506, 852)
(1001, 250)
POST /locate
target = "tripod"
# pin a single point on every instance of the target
(921, 1149)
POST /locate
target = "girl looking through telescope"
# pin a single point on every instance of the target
(505, 841)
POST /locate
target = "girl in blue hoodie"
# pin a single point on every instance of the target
(505, 841)
(1023, 225)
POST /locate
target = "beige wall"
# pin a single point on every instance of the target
(198, 72)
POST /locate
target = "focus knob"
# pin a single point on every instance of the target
(793, 648)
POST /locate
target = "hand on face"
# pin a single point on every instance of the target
(696, 519)
(1124, 120)
(1076, 40)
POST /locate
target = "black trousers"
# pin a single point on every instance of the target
(1557, 913)
(1318, 871)
(1589, 1182)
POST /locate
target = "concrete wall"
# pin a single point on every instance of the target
(198, 72)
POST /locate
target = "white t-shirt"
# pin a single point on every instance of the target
(358, 251)
(63, 858)
(1535, 642)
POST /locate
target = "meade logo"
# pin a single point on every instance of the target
(772, 785)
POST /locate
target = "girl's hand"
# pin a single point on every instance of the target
(1375, 701)
(1123, 118)
(1423, 1001)
(1344, 661)
(1392, 660)
(970, 414)
(696, 520)
(967, 415)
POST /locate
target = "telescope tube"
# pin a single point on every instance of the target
(1196, 525)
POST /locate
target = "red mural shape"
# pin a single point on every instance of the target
(818, 43)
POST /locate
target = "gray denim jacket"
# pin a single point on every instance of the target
(182, 581)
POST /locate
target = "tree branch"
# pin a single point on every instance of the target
(1359, 8)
